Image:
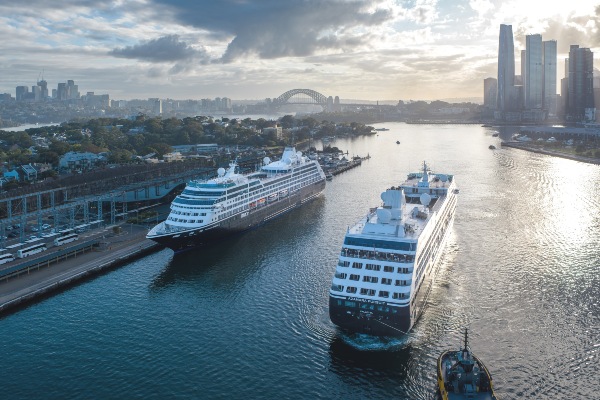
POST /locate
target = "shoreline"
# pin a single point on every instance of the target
(19, 292)
(524, 146)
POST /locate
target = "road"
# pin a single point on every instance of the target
(117, 249)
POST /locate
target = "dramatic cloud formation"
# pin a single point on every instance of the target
(274, 29)
(164, 49)
(370, 49)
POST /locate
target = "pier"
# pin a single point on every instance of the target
(25, 281)
(339, 168)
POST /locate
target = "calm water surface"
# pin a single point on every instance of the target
(248, 318)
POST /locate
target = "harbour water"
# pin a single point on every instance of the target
(247, 318)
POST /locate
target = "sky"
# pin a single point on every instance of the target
(255, 49)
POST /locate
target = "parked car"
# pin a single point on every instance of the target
(13, 235)
(45, 226)
(34, 229)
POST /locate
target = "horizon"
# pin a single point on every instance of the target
(423, 49)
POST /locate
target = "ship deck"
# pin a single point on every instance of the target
(413, 220)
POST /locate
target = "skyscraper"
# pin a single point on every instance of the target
(506, 70)
(533, 67)
(580, 103)
(21, 93)
(490, 92)
(61, 91)
(44, 85)
(549, 87)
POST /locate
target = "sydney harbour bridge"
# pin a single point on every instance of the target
(312, 97)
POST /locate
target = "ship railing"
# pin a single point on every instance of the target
(172, 229)
(377, 255)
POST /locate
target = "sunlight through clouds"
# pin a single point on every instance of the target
(433, 49)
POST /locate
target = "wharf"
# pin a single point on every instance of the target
(37, 284)
(345, 167)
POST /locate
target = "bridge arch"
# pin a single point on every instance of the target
(317, 97)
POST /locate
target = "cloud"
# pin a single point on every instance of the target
(581, 30)
(164, 49)
(273, 28)
(423, 12)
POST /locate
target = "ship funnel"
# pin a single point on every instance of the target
(392, 198)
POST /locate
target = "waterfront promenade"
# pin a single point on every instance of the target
(528, 147)
(116, 250)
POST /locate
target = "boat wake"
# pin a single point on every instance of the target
(364, 342)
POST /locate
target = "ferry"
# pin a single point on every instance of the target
(389, 259)
(233, 202)
(461, 375)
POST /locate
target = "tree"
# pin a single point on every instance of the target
(153, 126)
(309, 122)
(59, 147)
(48, 156)
(162, 148)
(22, 139)
(287, 121)
(120, 156)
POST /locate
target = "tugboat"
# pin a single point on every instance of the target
(461, 375)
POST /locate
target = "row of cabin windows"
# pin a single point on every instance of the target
(187, 213)
(279, 189)
(191, 208)
(372, 279)
(380, 255)
(369, 292)
(188, 221)
(373, 267)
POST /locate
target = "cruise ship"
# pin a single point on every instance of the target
(389, 259)
(233, 202)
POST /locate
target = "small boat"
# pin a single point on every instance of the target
(495, 134)
(492, 147)
(461, 375)
(397, 142)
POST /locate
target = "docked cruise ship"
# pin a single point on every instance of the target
(234, 202)
(389, 259)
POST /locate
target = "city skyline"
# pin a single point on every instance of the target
(372, 50)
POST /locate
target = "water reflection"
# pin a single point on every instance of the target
(217, 263)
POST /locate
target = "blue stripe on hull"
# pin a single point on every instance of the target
(373, 319)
